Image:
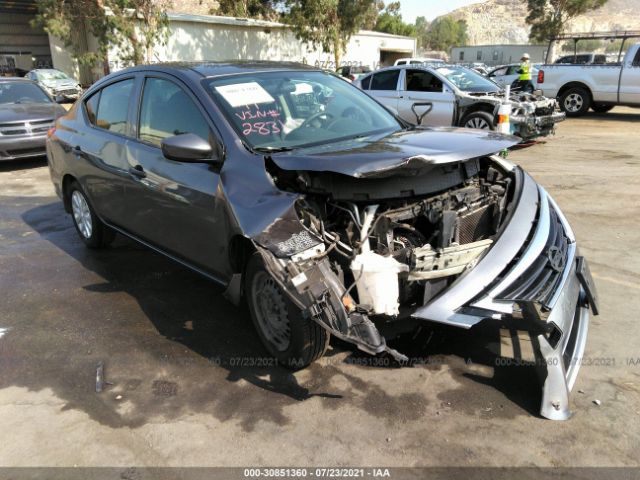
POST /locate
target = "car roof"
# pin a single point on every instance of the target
(213, 69)
(16, 79)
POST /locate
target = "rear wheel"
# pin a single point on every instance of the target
(575, 102)
(90, 228)
(294, 340)
(479, 120)
(601, 107)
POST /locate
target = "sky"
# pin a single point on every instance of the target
(431, 9)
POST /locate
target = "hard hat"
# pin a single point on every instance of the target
(525, 56)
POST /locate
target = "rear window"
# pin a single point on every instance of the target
(387, 80)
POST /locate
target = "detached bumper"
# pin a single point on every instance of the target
(533, 267)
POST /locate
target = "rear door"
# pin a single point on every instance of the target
(420, 86)
(172, 204)
(384, 87)
(498, 75)
(99, 147)
(630, 81)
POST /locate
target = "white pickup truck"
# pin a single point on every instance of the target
(599, 87)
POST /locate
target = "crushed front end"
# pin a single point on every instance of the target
(456, 243)
(534, 116)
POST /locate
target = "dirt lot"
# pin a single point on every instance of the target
(185, 391)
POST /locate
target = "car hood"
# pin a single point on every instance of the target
(24, 112)
(407, 152)
(63, 82)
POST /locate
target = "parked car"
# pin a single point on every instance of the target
(26, 114)
(419, 61)
(583, 59)
(599, 87)
(328, 215)
(508, 75)
(458, 97)
(353, 72)
(59, 85)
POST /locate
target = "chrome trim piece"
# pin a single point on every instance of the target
(444, 309)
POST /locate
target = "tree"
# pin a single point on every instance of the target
(134, 26)
(390, 21)
(422, 32)
(548, 18)
(263, 9)
(445, 32)
(328, 23)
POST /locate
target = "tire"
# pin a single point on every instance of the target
(295, 341)
(92, 231)
(601, 108)
(479, 120)
(575, 102)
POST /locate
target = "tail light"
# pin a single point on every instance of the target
(51, 132)
(540, 76)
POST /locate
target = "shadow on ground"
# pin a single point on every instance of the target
(69, 308)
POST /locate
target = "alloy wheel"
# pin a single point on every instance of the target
(81, 214)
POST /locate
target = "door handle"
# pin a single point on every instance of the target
(137, 171)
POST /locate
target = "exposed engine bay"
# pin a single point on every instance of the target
(353, 260)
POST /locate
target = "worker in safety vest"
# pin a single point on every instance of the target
(524, 84)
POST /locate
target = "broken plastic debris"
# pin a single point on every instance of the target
(597, 402)
(99, 377)
(119, 397)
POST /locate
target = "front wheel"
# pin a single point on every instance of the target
(293, 339)
(601, 107)
(90, 228)
(575, 102)
(479, 120)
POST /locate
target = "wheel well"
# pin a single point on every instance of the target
(575, 85)
(67, 180)
(476, 107)
(240, 250)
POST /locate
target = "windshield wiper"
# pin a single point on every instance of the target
(272, 149)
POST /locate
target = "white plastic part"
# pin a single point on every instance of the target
(377, 281)
(503, 114)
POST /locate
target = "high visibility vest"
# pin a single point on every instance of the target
(525, 69)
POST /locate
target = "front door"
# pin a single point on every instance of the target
(421, 86)
(171, 204)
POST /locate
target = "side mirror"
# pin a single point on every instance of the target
(188, 147)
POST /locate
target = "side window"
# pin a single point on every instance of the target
(92, 107)
(402, 62)
(166, 111)
(421, 81)
(636, 61)
(387, 80)
(499, 72)
(366, 82)
(113, 106)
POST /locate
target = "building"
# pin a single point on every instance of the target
(191, 38)
(497, 54)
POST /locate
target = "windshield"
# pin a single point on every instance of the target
(467, 80)
(281, 110)
(51, 75)
(22, 92)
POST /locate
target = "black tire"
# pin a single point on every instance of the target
(99, 236)
(479, 118)
(601, 107)
(307, 341)
(575, 102)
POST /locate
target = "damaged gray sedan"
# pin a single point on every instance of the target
(451, 95)
(323, 211)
